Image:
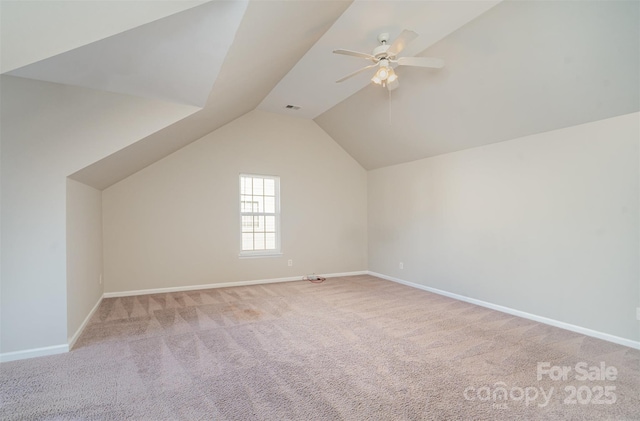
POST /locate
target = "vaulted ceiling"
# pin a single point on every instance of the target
(512, 68)
(523, 67)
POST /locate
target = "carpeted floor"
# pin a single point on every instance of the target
(353, 348)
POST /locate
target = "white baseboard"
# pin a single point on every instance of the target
(34, 352)
(50, 350)
(76, 335)
(59, 349)
(578, 329)
(223, 285)
(341, 274)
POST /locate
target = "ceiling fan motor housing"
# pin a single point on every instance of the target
(380, 51)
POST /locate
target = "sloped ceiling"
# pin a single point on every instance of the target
(37, 29)
(523, 67)
(271, 38)
(175, 59)
(311, 82)
(512, 68)
(254, 64)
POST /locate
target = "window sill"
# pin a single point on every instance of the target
(257, 255)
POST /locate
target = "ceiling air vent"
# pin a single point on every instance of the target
(292, 107)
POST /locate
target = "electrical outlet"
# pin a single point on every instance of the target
(401, 265)
(100, 279)
(290, 262)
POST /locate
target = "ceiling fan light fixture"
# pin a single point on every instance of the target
(384, 71)
(392, 76)
(385, 75)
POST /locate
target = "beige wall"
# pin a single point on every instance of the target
(176, 222)
(49, 131)
(84, 253)
(546, 224)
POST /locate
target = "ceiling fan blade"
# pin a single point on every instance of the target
(355, 54)
(433, 62)
(403, 39)
(356, 72)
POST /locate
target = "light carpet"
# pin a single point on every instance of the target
(351, 348)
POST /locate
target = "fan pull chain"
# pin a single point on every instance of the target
(389, 107)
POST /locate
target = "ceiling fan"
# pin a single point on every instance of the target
(385, 56)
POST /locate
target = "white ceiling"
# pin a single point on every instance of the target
(524, 67)
(240, 86)
(512, 69)
(311, 83)
(37, 29)
(175, 59)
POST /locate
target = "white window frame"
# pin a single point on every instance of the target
(260, 253)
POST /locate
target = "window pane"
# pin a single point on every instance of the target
(270, 204)
(247, 224)
(258, 242)
(270, 223)
(247, 241)
(246, 204)
(270, 241)
(258, 223)
(258, 186)
(269, 187)
(259, 204)
(245, 185)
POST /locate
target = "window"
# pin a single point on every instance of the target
(259, 215)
